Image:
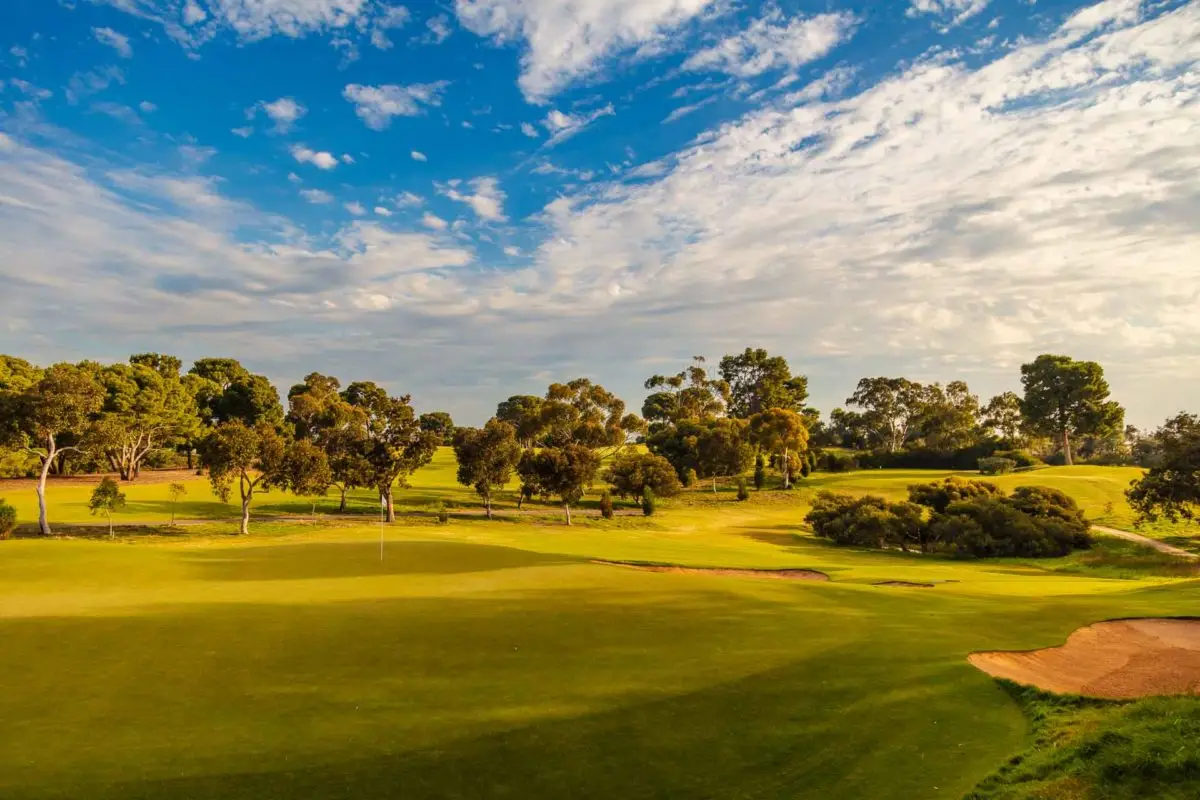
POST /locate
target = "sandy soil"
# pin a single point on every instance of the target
(1120, 660)
(909, 584)
(771, 574)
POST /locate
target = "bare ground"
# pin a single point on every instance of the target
(1161, 547)
(771, 574)
(1121, 659)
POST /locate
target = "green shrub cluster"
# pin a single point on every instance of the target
(968, 519)
(1022, 458)
(649, 502)
(631, 473)
(8, 519)
(743, 492)
(606, 506)
(996, 466)
(837, 462)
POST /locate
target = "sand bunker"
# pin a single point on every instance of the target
(909, 584)
(1120, 660)
(771, 574)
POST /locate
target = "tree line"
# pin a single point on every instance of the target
(697, 424)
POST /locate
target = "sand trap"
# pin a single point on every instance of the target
(1121, 659)
(771, 574)
(909, 584)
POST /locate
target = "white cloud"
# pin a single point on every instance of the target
(563, 126)
(392, 17)
(147, 107)
(437, 29)
(434, 222)
(117, 41)
(567, 40)
(347, 158)
(830, 85)
(417, 155)
(487, 200)
(530, 131)
(407, 199)
(319, 159)
(26, 88)
(316, 196)
(193, 13)
(382, 212)
(953, 12)
(244, 132)
(284, 112)
(376, 105)
(83, 84)
(683, 111)
(512, 251)
(356, 208)
(294, 178)
(770, 43)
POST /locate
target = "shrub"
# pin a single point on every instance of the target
(743, 493)
(649, 502)
(689, 477)
(838, 462)
(443, 514)
(760, 473)
(996, 466)
(1022, 458)
(8, 519)
(865, 521)
(940, 494)
(606, 509)
(995, 527)
(631, 473)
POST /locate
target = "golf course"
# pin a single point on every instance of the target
(337, 657)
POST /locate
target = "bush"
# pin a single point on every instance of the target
(996, 466)
(606, 509)
(760, 473)
(743, 493)
(443, 514)
(631, 473)
(8, 519)
(649, 502)
(940, 494)
(865, 521)
(1022, 458)
(689, 477)
(838, 462)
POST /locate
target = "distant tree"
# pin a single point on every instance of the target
(107, 497)
(8, 519)
(723, 449)
(606, 505)
(228, 391)
(778, 430)
(306, 471)
(760, 472)
(395, 445)
(175, 493)
(168, 367)
(253, 457)
(891, 406)
(850, 429)
(18, 375)
(439, 424)
(1171, 488)
(758, 381)
(689, 477)
(61, 406)
(585, 413)
(649, 502)
(688, 395)
(1065, 398)
(563, 472)
(1002, 415)
(319, 413)
(146, 408)
(743, 493)
(632, 472)
(524, 413)
(486, 458)
(950, 417)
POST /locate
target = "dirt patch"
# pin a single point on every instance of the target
(770, 574)
(1120, 660)
(909, 584)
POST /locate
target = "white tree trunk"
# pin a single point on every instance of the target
(43, 523)
(567, 511)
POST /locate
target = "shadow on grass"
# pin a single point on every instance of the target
(313, 560)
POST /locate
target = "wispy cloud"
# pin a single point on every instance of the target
(116, 41)
(563, 126)
(376, 105)
(486, 199)
(772, 42)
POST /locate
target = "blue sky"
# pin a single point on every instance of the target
(468, 199)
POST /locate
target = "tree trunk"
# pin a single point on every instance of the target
(43, 523)
(172, 515)
(137, 470)
(1066, 446)
(247, 493)
(567, 511)
(342, 505)
(787, 470)
(391, 511)
(111, 535)
(487, 504)
(714, 484)
(314, 510)
(189, 455)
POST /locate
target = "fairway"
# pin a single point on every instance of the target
(498, 659)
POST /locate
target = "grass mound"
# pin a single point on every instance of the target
(1086, 748)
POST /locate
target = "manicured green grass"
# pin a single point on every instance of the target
(495, 660)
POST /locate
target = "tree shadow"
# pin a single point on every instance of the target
(314, 560)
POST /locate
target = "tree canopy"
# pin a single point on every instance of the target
(1171, 487)
(563, 472)
(1066, 398)
(757, 381)
(486, 458)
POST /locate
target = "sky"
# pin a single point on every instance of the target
(469, 199)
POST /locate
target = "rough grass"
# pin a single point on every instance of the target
(490, 660)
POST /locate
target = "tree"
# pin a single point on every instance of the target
(564, 472)
(649, 502)
(438, 423)
(1002, 415)
(757, 381)
(1065, 398)
(144, 410)
(319, 413)
(890, 407)
(688, 395)
(760, 472)
(630, 473)
(175, 493)
(585, 413)
(228, 391)
(849, 429)
(1171, 487)
(950, 417)
(778, 430)
(60, 406)
(606, 506)
(107, 497)
(253, 457)
(722, 450)
(395, 446)
(524, 413)
(306, 471)
(743, 493)
(486, 458)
